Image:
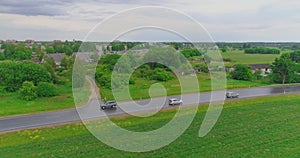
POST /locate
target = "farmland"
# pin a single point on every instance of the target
(238, 56)
(256, 127)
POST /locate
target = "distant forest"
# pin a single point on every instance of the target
(280, 45)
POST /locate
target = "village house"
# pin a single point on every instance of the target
(264, 68)
(57, 57)
(56, 41)
(11, 41)
(29, 41)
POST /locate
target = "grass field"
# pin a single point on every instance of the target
(140, 90)
(257, 127)
(12, 104)
(239, 57)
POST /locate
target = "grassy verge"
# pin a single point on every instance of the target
(140, 90)
(257, 127)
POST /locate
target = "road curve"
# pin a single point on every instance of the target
(14, 123)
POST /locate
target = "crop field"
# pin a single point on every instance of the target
(254, 127)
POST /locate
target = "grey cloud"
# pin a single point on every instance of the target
(137, 2)
(58, 7)
(32, 8)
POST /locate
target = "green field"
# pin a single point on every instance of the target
(257, 127)
(140, 90)
(239, 57)
(12, 104)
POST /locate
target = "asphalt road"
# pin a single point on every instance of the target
(91, 111)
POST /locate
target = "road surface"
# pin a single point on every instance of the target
(91, 111)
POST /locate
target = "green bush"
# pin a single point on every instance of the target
(257, 74)
(227, 60)
(242, 72)
(202, 68)
(190, 53)
(131, 81)
(46, 89)
(28, 91)
(160, 74)
(63, 81)
(104, 81)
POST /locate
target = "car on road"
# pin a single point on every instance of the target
(108, 105)
(232, 95)
(175, 101)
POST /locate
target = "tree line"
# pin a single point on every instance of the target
(262, 51)
(21, 51)
(30, 79)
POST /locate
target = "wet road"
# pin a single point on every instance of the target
(92, 111)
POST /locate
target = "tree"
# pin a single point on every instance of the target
(202, 67)
(58, 47)
(39, 52)
(13, 74)
(49, 68)
(18, 52)
(104, 80)
(283, 69)
(68, 50)
(76, 45)
(242, 72)
(28, 91)
(110, 60)
(3, 45)
(67, 62)
(2, 57)
(9, 51)
(160, 74)
(258, 74)
(295, 56)
(49, 50)
(190, 53)
(46, 89)
(224, 50)
(50, 61)
(22, 53)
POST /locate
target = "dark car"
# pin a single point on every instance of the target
(232, 95)
(109, 105)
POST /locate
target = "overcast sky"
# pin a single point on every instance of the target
(225, 20)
